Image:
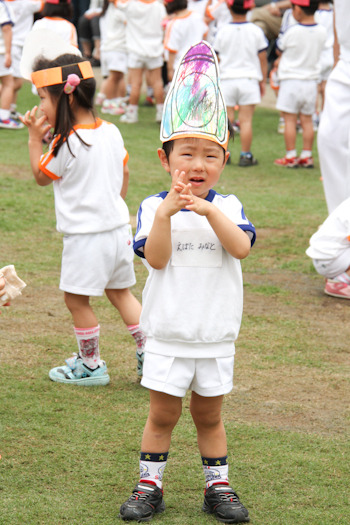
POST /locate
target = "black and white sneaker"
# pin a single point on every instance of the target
(224, 503)
(145, 501)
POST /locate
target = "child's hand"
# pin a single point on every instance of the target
(36, 125)
(178, 195)
(196, 204)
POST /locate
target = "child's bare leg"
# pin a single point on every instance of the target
(79, 307)
(135, 79)
(245, 117)
(164, 413)
(211, 434)
(126, 304)
(308, 131)
(155, 80)
(111, 84)
(231, 114)
(7, 88)
(290, 131)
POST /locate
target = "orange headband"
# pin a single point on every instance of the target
(53, 76)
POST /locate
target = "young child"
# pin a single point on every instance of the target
(114, 60)
(298, 74)
(144, 42)
(87, 163)
(23, 12)
(330, 251)
(6, 76)
(324, 17)
(56, 18)
(191, 240)
(241, 47)
(184, 29)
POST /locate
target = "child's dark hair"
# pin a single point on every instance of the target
(237, 7)
(311, 9)
(83, 95)
(175, 5)
(64, 9)
(169, 145)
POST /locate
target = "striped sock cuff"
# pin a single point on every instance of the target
(155, 457)
(214, 462)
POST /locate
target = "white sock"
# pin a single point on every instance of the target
(215, 471)
(139, 336)
(342, 278)
(152, 467)
(305, 154)
(290, 154)
(4, 114)
(88, 339)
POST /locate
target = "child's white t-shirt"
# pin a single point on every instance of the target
(238, 46)
(6, 17)
(23, 11)
(113, 30)
(301, 47)
(87, 185)
(219, 14)
(198, 297)
(333, 236)
(342, 25)
(183, 32)
(324, 17)
(62, 27)
(144, 30)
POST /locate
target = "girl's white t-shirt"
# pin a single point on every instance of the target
(87, 185)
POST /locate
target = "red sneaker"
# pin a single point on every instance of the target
(337, 289)
(287, 163)
(308, 162)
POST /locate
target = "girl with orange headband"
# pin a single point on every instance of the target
(87, 164)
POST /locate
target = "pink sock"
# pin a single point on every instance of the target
(88, 339)
(139, 336)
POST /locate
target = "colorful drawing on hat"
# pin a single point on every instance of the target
(194, 104)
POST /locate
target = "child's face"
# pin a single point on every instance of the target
(202, 161)
(47, 106)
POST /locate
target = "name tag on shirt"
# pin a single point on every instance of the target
(196, 248)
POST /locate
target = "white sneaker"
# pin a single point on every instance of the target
(112, 107)
(159, 113)
(100, 97)
(129, 117)
(11, 124)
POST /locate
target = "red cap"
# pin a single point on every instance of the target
(246, 4)
(56, 2)
(304, 3)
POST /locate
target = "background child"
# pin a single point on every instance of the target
(324, 17)
(6, 77)
(87, 163)
(144, 42)
(241, 47)
(298, 73)
(330, 251)
(56, 18)
(114, 60)
(191, 239)
(184, 29)
(23, 13)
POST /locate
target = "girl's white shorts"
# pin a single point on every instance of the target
(297, 96)
(113, 61)
(141, 62)
(240, 91)
(331, 268)
(16, 55)
(207, 377)
(94, 262)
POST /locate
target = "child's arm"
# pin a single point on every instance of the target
(158, 247)
(37, 130)
(264, 66)
(7, 36)
(235, 241)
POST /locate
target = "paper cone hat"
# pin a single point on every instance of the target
(194, 106)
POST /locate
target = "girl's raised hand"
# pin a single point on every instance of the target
(36, 125)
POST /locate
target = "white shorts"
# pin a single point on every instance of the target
(331, 268)
(94, 262)
(240, 91)
(141, 62)
(4, 71)
(16, 55)
(176, 375)
(297, 96)
(113, 61)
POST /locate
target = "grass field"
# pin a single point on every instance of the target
(70, 455)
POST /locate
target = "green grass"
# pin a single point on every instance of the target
(70, 455)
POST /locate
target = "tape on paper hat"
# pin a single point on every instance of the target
(194, 106)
